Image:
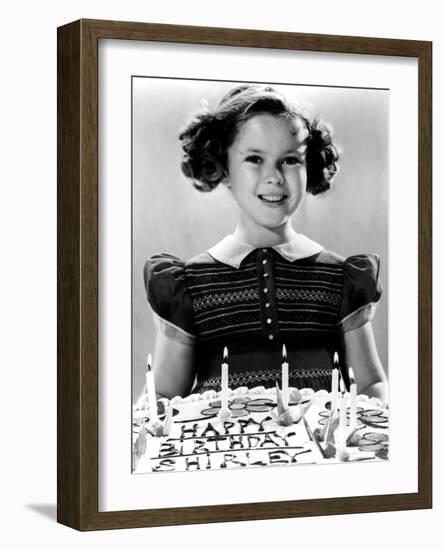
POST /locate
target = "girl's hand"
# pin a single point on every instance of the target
(362, 356)
(173, 367)
(378, 389)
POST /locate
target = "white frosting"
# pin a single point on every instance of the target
(257, 439)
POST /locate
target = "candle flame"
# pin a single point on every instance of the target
(335, 359)
(225, 353)
(284, 353)
(342, 386)
(149, 362)
(351, 376)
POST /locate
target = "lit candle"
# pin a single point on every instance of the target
(285, 379)
(334, 397)
(341, 430)
(334, 389)
(353, 399)
(150, 386)
(342, 395)
(224, 380)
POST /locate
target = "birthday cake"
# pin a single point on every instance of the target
(195, 433)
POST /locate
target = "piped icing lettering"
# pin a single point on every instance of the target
(192, 462)
(268, 440)
(192, 432)
(216, 440)
(210, 429)
(228, 426)
(165, 465)
(253, 441)
(169, 449)
(245, 423)
(229, 458)
(252, 462)
(200, 446)
(278, 457)
(236, 441)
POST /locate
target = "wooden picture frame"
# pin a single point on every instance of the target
(77, 458)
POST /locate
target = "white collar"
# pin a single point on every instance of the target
(232, 252)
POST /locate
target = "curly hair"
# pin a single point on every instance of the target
(208, 136)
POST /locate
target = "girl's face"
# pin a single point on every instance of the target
(267, 170)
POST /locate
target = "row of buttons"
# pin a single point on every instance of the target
(266, 290)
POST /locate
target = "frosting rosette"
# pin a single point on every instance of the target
(240, 406)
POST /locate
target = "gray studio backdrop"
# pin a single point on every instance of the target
(169, 215)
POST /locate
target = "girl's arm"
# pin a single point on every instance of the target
(361, 355)
(173, 366)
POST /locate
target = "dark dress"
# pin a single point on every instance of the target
(306, 304)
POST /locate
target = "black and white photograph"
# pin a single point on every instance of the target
(260, 274)
(219, 274)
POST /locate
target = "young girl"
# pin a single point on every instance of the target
(264, 285)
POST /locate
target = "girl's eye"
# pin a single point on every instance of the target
(254, 159)
(291, 160)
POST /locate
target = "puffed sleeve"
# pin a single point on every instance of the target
(361, 291)
(166, 291)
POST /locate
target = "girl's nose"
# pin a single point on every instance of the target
(275, 178)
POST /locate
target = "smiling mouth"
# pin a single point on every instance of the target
(273, 198)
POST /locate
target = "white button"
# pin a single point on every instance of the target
(265, 274)
(265, 290)
(264, 261)
(271, 337)
(269, 320)
(265, 249)
(267, 304)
